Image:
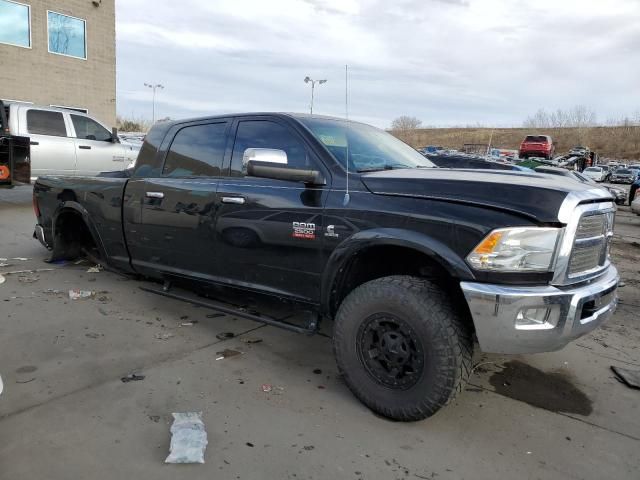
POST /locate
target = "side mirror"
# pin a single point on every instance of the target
(256, 168)
(270, 155)
(114, 135)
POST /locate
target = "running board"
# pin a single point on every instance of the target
(310, 329)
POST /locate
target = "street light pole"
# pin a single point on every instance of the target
(153, 107)
(313, 87)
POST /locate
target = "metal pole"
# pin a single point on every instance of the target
(153, 107)
(313, 85)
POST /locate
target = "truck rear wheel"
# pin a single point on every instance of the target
(402, 347)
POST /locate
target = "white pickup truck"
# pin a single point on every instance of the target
(67, 142)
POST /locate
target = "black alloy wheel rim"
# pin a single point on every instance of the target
(390, 351)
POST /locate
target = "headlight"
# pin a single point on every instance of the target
(520, 249)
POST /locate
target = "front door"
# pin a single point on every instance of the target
(52, 148)
(270, 232)
(95, 150)
(174, 229)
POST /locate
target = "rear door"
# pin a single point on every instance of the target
(175, 231)
(95, 150)
(52, 148)
(270, 232)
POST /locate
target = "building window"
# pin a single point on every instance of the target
(15, 24)
(67, 35)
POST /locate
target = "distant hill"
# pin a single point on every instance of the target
(610, 142)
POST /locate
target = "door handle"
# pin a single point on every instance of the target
(85, 147)
(236, 200)
(154, 195)
(34, 143)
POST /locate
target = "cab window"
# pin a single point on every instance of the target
(43, 122)
(88, 129)
(197, 151)
(268, 134)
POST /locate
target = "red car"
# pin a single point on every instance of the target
(537, 146)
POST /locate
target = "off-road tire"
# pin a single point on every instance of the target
(445, 337)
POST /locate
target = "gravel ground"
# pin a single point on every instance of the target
(65, 413)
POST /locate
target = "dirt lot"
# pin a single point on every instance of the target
(66, 414)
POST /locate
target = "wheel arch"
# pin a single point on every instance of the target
(72, 214)
(400, 251)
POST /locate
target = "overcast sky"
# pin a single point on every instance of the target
(447, 62)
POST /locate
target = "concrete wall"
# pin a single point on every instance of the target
(35, 75)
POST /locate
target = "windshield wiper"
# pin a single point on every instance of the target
(386, 167)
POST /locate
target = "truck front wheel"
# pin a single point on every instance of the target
(402, 347)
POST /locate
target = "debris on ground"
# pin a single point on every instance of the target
(266, 388)
(21, 272)
(52, 291)
(154, 418)
(28, 278)
(80, 294)
(188, 438)
(629, 377)
(2, 279)
(163, 336)
(250, 340)
(317, 371)
(20, 259)
(188, 324)
(132, 377)
(227, 353)
(225, 335)
(273, 389)
(2, 264)
(96, 269)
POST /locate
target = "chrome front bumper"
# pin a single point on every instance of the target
(497, 312)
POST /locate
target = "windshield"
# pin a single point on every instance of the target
(366, 148)
(593, 169)
(624, 171)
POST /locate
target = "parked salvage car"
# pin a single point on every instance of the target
(409, 261)
(622, 175)
(619, 195)
(67, 142)
(597, 174)
(537, 146)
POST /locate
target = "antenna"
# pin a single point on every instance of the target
(347, 197)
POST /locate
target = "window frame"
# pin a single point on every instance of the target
(173, 133)
(30, 29)
(64, 120)
(72, 109)
(86, 48)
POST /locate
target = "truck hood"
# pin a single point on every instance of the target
(533, 195)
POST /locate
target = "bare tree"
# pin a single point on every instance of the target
(405, 123)
(579, 116)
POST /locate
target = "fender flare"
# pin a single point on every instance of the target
(442, 254)
(77, 208)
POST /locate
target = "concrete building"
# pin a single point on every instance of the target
(61, 53)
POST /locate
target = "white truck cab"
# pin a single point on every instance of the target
(68, 142)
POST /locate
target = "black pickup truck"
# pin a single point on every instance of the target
(410, 262)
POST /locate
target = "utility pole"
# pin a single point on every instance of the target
(153, 107)
(313, 86)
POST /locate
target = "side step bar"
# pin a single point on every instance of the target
(310, 329)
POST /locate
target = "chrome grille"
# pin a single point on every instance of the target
(590, 249)
(591, 226)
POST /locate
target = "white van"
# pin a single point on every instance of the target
(67, 142)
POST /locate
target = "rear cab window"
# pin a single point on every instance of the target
(536, 139)
(197, 151)
(43, 122)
